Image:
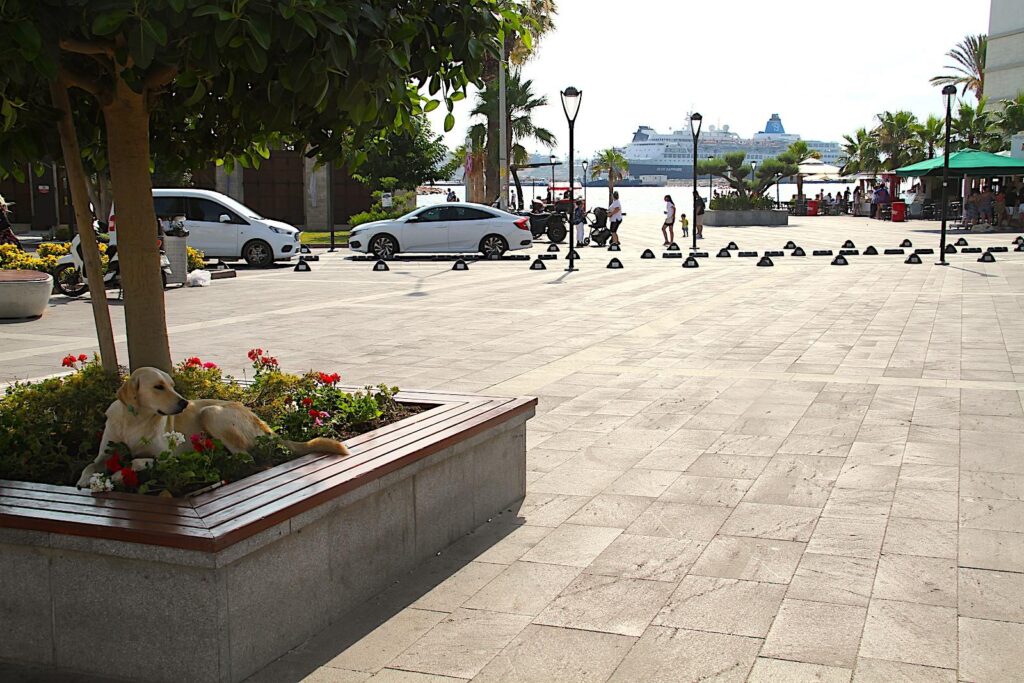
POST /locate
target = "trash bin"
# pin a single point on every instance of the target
(899, 212)
(812, 207)
(176, 249)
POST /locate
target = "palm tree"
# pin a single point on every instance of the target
(612, 162)
(1009, 119)
(968, 69)
(897, 138)
(797, 153)
(931, 134)
(861, 152)
(521, 103)
(538, 15)
(973, 128)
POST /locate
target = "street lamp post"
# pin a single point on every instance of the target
(695, 123)
(571, 106)
(586, 164)
(551, 192)
(948, 92)
(753, 175)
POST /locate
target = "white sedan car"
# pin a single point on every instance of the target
(454, 227)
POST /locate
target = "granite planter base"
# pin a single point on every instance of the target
(93, 596)
(742, 218)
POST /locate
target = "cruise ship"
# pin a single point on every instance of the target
(671, 154)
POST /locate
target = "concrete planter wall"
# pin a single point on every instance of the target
(81, 594)
(741, 218)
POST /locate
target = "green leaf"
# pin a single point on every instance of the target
(255, 58)
(142, 45)
(449, 122)
(156, 31)
(431, 106)
(28, 39)
(459, 95)
(306, 23)
(259, 31)
(206, 10)
(177, 5)
(197, 94)
(108, 23)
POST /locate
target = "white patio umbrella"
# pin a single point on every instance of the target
(814, 170)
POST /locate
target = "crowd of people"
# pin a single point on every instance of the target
(998, 207)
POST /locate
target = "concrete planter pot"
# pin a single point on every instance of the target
(743, 218)
(24, 293)
(216, 586)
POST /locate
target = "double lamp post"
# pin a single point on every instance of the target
(948, 92)
(571, 106)
(695, 124)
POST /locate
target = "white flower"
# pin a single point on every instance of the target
(100, 482)
(174, 439)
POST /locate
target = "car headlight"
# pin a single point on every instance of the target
(279, 231)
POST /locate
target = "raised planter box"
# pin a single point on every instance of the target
(722, 219)
(216, 586)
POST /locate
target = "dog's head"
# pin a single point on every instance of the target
(148, 391)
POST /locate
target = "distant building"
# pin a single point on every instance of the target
(1004, 62)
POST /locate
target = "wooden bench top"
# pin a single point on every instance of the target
(221, 517)
(23, 276)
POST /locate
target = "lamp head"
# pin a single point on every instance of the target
(949, 90)
(695, 123)
(571, 102)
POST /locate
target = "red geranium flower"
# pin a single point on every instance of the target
(307, 401)
(313, 412)
(69, 361)
(201, 443)
(254, 354)
(82, 358)
(113, 463)
(209, 366)
(332, 378)
(193, 362)
(129, 477)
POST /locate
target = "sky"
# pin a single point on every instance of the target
(826, 67)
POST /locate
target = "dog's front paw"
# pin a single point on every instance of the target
(139, 464)
(83, 481)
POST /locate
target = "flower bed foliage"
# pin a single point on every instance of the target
(51, 429)
(196, 259)
(45, 259)
(732, 202)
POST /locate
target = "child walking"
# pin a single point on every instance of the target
(684, 225)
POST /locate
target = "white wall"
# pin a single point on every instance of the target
(1004, 72)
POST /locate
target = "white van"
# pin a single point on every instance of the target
(223, 228)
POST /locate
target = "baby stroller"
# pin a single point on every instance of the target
(600, 233)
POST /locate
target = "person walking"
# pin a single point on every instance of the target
(667, 229)
(684, 225)
(579, 221)
(615, 216)
(1000, 200)
(1012, 199)
(985, 202)
(698, 215)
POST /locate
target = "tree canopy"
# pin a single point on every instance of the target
(215, 79)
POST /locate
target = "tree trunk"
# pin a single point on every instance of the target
(611, 186)
(127, 121)
(90, 250)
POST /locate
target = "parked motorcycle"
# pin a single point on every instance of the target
(70, 279)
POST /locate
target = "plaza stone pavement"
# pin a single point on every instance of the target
(805, 472)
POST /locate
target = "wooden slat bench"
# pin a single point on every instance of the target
(214, 586)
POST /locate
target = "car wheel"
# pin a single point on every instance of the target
(493, 244)
(70, 281)
(258, 253)
(383, 246)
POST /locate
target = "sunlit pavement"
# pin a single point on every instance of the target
(784, 473)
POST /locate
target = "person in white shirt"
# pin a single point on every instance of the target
(615, 216)
(670, 218)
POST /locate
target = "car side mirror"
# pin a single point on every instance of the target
(412, 219)
(224, 218)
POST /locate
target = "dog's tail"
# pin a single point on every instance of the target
(318, 445)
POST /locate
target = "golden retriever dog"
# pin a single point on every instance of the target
(148, 408)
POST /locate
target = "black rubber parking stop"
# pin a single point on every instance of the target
(461, 265)
(765, 262)
(647, 254)
(913, 258)
(538, 265)
(378, 267)
(840, 261)
(691, 262)
(614, 264)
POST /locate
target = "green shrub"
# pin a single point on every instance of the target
(731, 202)
(51, 429)
(371, 215)
(62, 233)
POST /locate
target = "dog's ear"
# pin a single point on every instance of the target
(128, 394)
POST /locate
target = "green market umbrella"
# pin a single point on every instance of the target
(969, 162)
